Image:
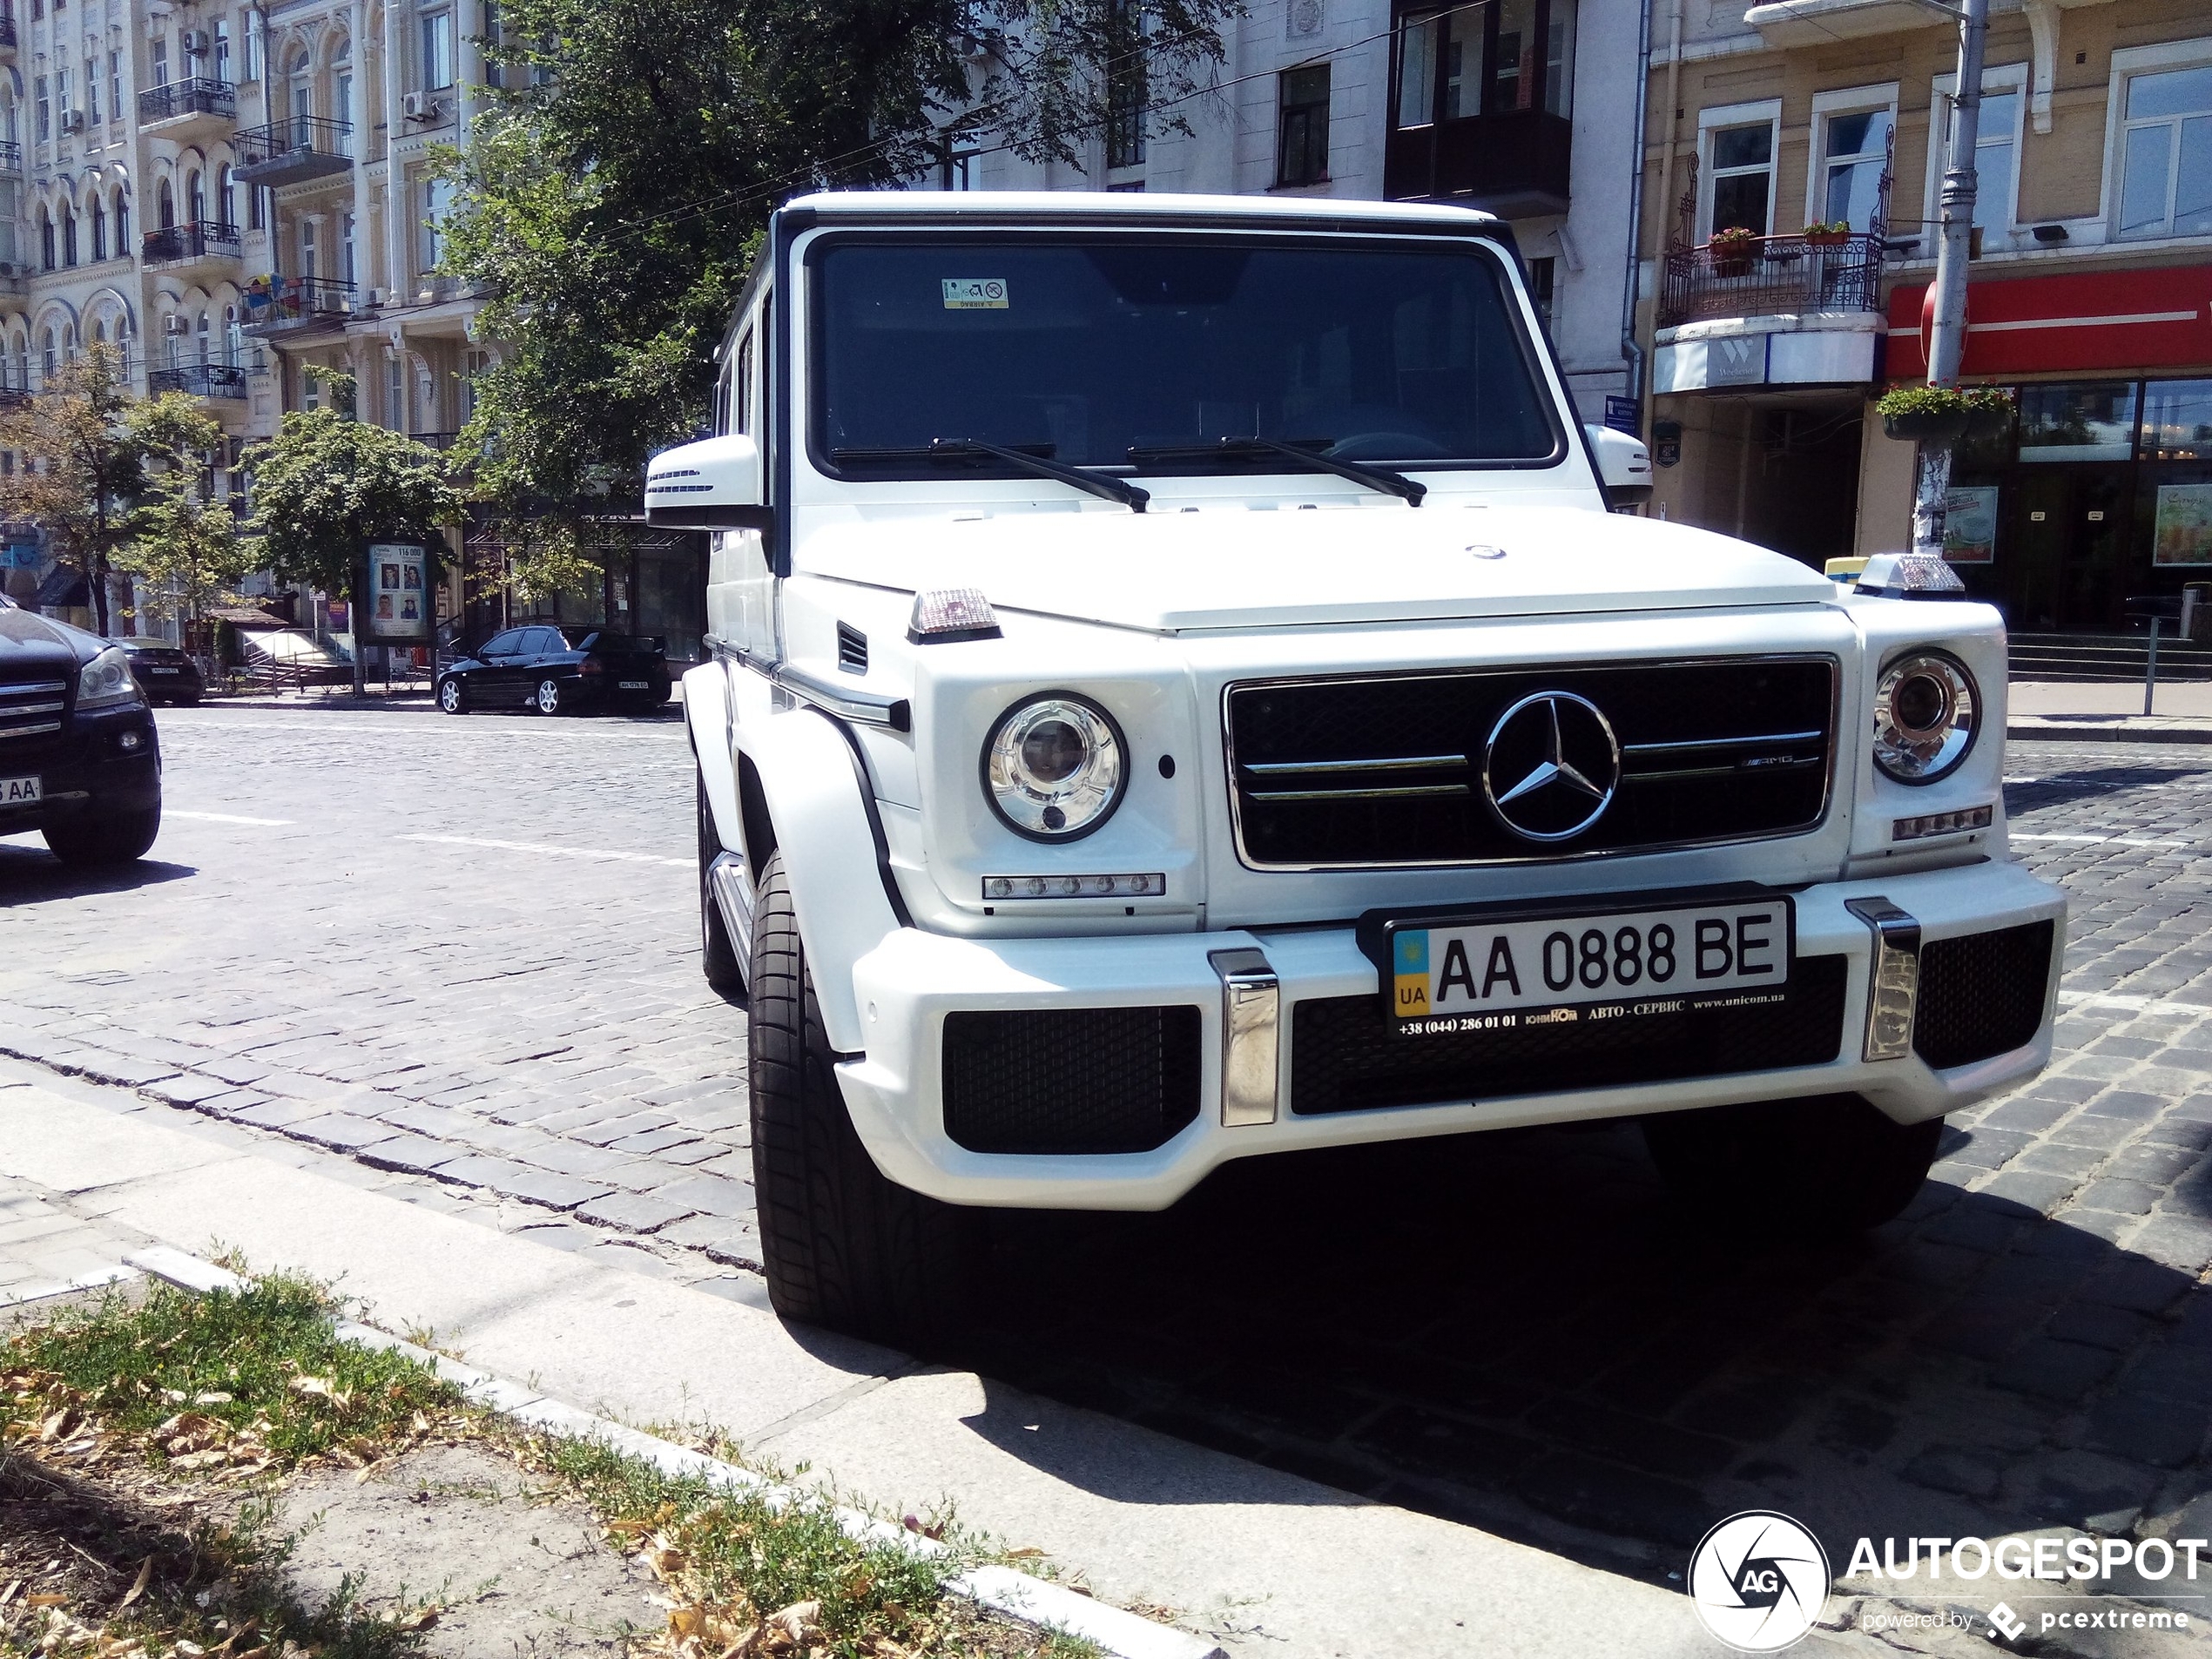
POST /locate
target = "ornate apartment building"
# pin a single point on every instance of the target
(230, 193)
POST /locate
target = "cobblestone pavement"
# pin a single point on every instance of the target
(460, 952)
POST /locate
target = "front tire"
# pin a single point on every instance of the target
(453, 695)
(104, 843)
(1832, 1164)
(547, 698)
(717, 956)
(845, 1247)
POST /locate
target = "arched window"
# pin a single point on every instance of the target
(201, 338)
(225, 212)
(122, 221)
(171, 333)
(166, 207)
(308, 250)
(99, 230)
(341, 91)
(233, 346)
(49, 362)
(19, 369)
(46, 239)
(69, 234)
(303, 97)
(195, 199)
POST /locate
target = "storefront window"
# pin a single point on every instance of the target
(2091, 422)
(2177, 420)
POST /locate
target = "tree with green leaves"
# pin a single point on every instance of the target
(612, 199)
(82, 469)
(182, 540)
(325, 485)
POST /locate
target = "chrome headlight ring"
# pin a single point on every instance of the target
(1055, 767)
(1927, 712)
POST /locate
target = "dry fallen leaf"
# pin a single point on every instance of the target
(137, 1585)
(797, 1622)
(685, 1623)
(44, 1598)
(311, 1385)
(55, 1427)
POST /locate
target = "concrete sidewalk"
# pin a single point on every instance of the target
(1260, 1561)
(2107, 711)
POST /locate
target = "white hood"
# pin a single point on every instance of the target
(1231, 568)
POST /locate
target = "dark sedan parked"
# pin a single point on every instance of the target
(551, 669)
(165, 673)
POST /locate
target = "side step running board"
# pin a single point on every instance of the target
(732, 889)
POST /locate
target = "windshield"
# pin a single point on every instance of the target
(1083, 348)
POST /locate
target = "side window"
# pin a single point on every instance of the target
(741, 417)
(544, 642)
(502, 645)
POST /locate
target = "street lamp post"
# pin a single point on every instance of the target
(1947, 328)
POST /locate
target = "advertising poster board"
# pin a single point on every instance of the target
(398, 611)
(2183, 532)
(1970, 525)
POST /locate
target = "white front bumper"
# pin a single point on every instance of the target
(906, 986)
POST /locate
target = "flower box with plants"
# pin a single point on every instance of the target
(1731, 251)
(1831, 235)
(1944, 413)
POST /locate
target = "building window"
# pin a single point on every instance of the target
(1559, 58)
(222, 33)
(1544, 277)
(2166, 154)
(2083, 421)
(253, 211)
(45, 240)
(99, 231)
(1855, 146)
(122, 221)
(303, 99)
(92, 90)
(1440, 61)
(165, 205)
(955, 169)
(1125, 87)
(69, 235)
(1742, 191)
(1512, 66)
(1302, 149)
(225, 192)
(2177, 420)
(307, 264)
(346, 244)
(61, 94)
(115, 83)
(257, 44)
(45, 108)
(195, 199)
(161, 62)
(437, 50)
(435, 196)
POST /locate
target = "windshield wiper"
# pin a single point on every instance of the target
(1391, 483)
(1100, 484)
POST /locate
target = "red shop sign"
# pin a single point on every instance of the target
(2101, 321)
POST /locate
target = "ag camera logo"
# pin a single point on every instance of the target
(1758, 1581)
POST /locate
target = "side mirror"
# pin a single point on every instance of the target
(1624, 467)
(714, 484)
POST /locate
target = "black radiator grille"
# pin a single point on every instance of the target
(1387, 769)
(1070, 1080)
(1982, 994)
(1347, 1056)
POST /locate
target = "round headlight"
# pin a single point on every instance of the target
(1925, 709)
(1053, 767)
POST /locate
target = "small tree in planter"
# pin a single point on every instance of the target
(1731, 251)
(1936, 418)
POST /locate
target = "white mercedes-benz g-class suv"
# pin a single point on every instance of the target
(1178, 694)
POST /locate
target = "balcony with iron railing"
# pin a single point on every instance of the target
(185, 244)
(1764, 276)
(1511, 162)
(298, 305)
(196, 96)
(199, 380)
(293, 151)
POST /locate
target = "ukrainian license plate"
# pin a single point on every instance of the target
(1496, 974)
(19, 791)
(161, 670)
(636, 686)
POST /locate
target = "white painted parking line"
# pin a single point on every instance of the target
(223, 818)
(600, 854)
(2121, 1001)
(2100, 840)
(2023, 780)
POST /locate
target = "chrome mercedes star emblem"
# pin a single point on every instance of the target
(1551, 766)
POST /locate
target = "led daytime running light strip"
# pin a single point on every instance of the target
(1154, 885)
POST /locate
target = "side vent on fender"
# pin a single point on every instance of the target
(852, 649)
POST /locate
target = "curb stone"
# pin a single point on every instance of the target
(2117, 732)
(1014, 1594)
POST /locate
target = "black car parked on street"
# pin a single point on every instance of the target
(552, 669)
(165, 673)
(78, 758)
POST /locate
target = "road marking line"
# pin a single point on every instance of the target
(2100, 840)
(600, 854)
(2131, 1004)
(225, 818)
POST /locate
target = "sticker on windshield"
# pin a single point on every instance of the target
(975, 293)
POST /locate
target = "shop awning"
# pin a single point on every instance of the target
(63, 586)
(2109, 321)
